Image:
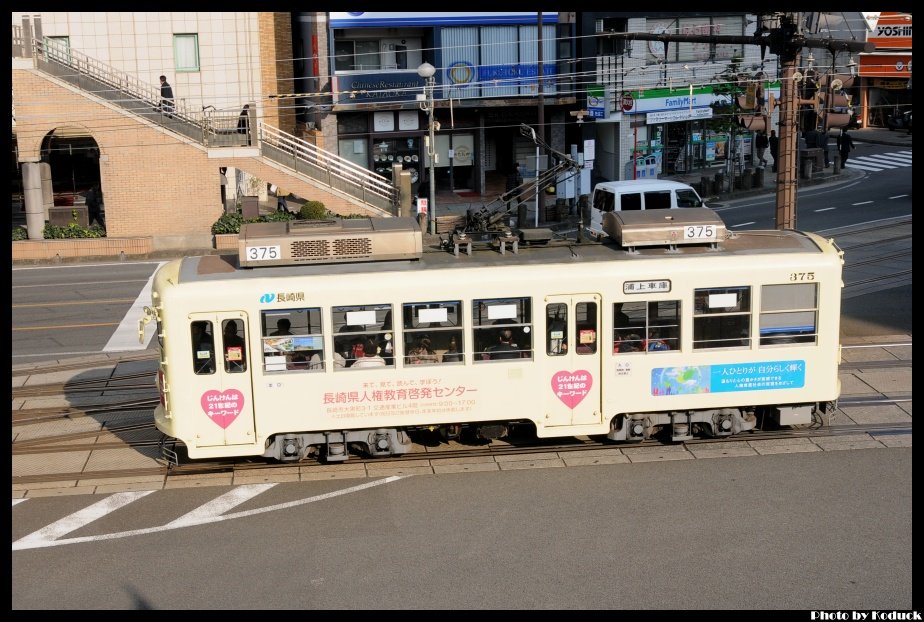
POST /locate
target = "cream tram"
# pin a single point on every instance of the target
(318, 340)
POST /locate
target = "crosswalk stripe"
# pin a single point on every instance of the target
(862, 167)
(891, 158)
(866, 162)
(217, 507)
(51, 535)
(79, 519)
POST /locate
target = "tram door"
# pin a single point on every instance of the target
(572, 359)
(223, 388)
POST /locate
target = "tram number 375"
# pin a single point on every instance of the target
(699, 232)
(263, 253)
(801, 276)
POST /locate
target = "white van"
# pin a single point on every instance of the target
(638, 194)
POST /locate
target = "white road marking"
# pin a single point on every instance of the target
(45, 538)
(825, 209)
(78, 519)
(862, 203)
(217, 507)
(125, 337)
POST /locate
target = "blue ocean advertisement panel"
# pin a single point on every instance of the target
(726, 378)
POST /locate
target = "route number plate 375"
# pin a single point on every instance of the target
(699, 232)
(262, 253)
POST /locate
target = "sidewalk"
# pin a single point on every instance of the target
(448, 202)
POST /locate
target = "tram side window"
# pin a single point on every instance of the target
(640, 326)
(585, 326)
(233, 339)
(363, 336)
(788, 314)
(293, 340)
(502, 329)
(721, 317)
(433, 332)
(203, 347)
(556, 328)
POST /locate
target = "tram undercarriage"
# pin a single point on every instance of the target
(685, 425)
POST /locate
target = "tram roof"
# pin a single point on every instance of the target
(222, 267)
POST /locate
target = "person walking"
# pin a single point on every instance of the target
(94, 206)
(822, 143)
(281, 205)
(762, 143)
(774, 143)
(167, 103)
(845, 146)
(515, 178)
(243, 122)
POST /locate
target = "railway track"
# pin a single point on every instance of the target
(128, 423)
(525, 449)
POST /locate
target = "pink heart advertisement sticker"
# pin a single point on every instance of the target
(572, 387)
(223, 407)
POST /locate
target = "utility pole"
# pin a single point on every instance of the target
(540, 197)
(786, 40)
(787, 175)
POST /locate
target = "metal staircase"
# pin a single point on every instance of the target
(213, 128)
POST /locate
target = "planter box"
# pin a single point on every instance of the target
(63, 216)
(226, 242)
(43, 250)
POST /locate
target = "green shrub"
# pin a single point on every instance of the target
(231, 223)
(313, 210)
(228, 223)
(72, 231)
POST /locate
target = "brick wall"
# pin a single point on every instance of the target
(155, 183)
(276, 69)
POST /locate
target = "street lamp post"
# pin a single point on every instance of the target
(426, 71)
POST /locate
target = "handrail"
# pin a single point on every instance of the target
(210, 127)
(335, 165)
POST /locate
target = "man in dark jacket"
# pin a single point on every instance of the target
(845, 146)
(774, 142)
(167, 105)
(761, 143)
(243, 122)
(94, 206)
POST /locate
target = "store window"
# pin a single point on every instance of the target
(387, 151)
(350, 55)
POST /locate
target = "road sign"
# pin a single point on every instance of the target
(628, 103)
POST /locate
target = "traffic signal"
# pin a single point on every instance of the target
(831, 103)
(753, 122)
(750, 103)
